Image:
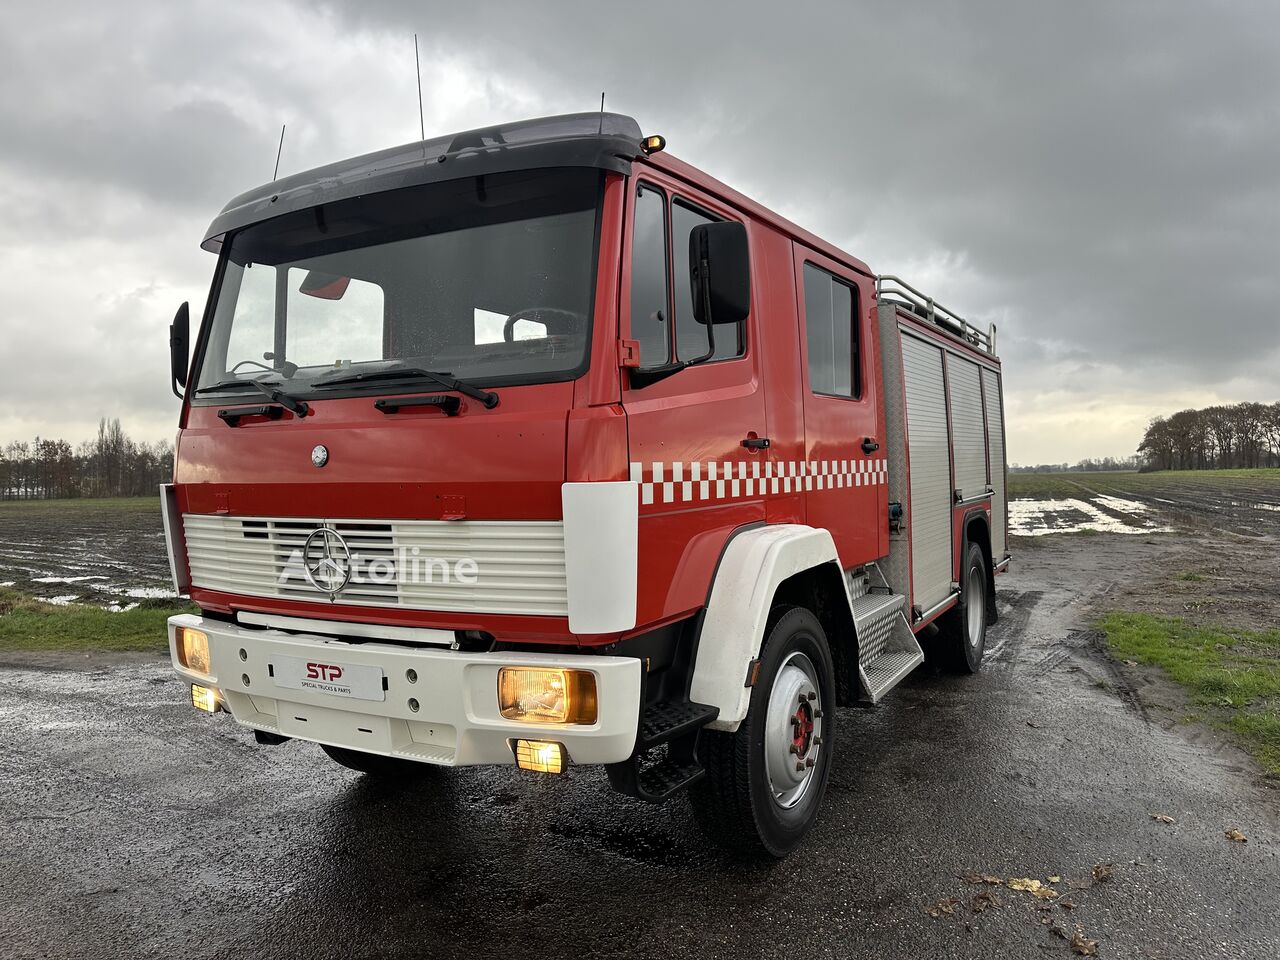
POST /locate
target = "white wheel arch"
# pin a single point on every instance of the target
(750, 571)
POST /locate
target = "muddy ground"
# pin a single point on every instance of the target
(129, 826)
(1234, 504)
(109, 553)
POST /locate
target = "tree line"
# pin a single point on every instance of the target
(109, 465)
(1215, 438)
(1102, 465)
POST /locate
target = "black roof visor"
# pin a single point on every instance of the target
(607, 141)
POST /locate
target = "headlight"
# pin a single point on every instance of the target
(539, 695)
(193, 650)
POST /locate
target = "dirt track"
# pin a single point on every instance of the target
(133, 827)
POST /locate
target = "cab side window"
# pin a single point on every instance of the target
(650, 311)
(659, 255)
(831, 332)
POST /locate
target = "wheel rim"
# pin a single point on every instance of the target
(793, 730)
(976, 601)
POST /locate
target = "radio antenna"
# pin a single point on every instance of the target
(417, 69)
(276, 172)
(601, 130)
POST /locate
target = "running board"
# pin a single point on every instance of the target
(887, 649)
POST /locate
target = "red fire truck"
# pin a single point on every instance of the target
(534, 445)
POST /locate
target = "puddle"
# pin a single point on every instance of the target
(1253, 505)
(1120, 506)
(150, 593)
(1038, 518)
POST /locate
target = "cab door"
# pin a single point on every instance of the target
(697, 438)
(846, 477)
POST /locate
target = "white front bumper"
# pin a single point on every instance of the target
(457, 722)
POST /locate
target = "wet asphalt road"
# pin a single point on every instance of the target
(131, 827)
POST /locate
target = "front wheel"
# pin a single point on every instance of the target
(765, 781)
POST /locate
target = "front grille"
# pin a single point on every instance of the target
(519, 564)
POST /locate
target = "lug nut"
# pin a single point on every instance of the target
(799, 767)
(810, 762)
(817, 714)
(817, 741)
(793, 749)
(812, 695)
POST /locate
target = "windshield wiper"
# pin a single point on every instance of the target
(487, 397)
(274, 394)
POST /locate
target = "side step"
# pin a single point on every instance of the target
(668, 720)
(675, 725)
(887, 649)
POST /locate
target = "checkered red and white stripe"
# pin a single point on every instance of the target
(689, 482)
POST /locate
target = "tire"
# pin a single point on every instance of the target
(376, 765)
(753, 801)
(962, 630)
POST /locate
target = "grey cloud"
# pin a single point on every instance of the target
(1099, 178)
(1109, 170)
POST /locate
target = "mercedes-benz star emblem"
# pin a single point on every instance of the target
(326, 560)
(319, 455)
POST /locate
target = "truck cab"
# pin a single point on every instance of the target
(534, 445)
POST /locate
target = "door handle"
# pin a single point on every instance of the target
(756, 443)
(869, 445)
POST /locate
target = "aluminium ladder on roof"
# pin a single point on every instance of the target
(923, 305)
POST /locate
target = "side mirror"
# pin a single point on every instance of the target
(720, 270)
(179, 348)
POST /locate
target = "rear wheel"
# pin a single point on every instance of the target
(962, 631)
(376, 765)
(766, 780)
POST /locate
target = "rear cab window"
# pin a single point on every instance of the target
(831, 334)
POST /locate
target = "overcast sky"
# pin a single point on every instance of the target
(1100, 179)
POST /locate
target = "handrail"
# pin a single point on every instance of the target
(936, 313)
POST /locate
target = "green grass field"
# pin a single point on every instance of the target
(1050, 486)
(1233, 676)
(30, 624)
(148, 505)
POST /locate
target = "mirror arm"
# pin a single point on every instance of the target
(641, 377)
(704, 268)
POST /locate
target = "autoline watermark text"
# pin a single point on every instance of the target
(409, 565)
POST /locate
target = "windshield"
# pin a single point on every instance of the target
(486, 279)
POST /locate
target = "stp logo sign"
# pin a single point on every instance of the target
(329, 672)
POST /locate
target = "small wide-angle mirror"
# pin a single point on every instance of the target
(324, 286)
